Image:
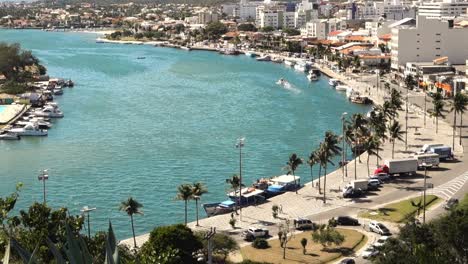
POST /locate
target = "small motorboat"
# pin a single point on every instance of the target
(312, 77)
(9, 136)
(283, 82)
(49, 111)
(277, 60)
(361, 100)
(289, 63)
(141, 58)
(333, 82)
(249, 54)
(69, 83)
(342, 88)
(30, 129)
(58, 90)
(187, 48)
(264, 58)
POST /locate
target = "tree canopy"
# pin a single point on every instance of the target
(14, 61)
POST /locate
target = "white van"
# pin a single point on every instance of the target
(426, 147)
(429, 159)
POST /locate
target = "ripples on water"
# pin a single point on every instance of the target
(142, 127)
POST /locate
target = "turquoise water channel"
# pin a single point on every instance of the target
(142, 127)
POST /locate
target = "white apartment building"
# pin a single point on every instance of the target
(319, 28)
(207, 16)
(445, 8)
(432, 38)
(244, 10)
(302, 16)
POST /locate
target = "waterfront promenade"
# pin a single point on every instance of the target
(308, 202)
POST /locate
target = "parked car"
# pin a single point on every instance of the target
(347, 221)
(347, 261)
(352, 193)
(369, 252)
(381, 241)
(451, 203)
(303, 224)
(373, 184)
(379, 228)
(383, 177)
(254, 232)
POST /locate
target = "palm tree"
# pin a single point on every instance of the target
(291, 166)
(330, 148)
(349, 139)
(395, 102)
(358, 125)
(198, 189)
(185, 193)
(458, 105)
(235, 183)
(313, 160)
(395, 132)
(438, 108)
(131, 207)
(388, 111)
(372, 147)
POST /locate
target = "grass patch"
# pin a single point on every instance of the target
(463, 204)
(400, 211)
(315, 253)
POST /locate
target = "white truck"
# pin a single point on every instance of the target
(359, 184)
(402, 166)
(428, 159)
(426, 147)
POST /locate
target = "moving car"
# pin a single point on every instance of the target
(303, 224)
(254, 232)
(381, 241)
(379, 228)
(369, 252)
(347, 221)
(347, 261)
(451, 203)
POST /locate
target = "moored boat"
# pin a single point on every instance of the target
(333, 82)
(342, 88)
(277, 60)
(9, 136)
(289, 63)
(29, 130)
(225, 207)
(312, 77)
(264, 58)
(49, 111)
(283, 183)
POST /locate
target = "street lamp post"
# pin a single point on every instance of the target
(406, 120)
(239, 145)
(86, 210)
(424, 193)
(43, 177)
(343, 157)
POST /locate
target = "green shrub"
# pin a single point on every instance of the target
(260, 243)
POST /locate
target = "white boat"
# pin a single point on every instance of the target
(312, 76)
(9, 136)
(277, 60)
(249, 54)
(283, 82)
(264, 58)
(186, 48)
(40, 123)
(29, 130)
(342, 88)
(58, 90)
(300, 66)
(352, 93)
(49, 111)
(333, 82)
(289, 63)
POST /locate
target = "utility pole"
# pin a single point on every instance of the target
(239, 145)
(424, 195)
(86, 210)
(406, 120)
(43, 177)
(209, 237)
(343, 156)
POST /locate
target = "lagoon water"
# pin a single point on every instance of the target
(141, 127)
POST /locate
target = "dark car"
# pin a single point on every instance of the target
(451, 203)
(347, 261)
(347, 221)
(352, 193)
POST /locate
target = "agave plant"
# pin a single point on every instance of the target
(75, 249)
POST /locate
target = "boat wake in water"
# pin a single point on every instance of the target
(286, 85)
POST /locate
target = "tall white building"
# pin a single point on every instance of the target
(432, 38)
(445, 8)
(319, 28)
(207, 16)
